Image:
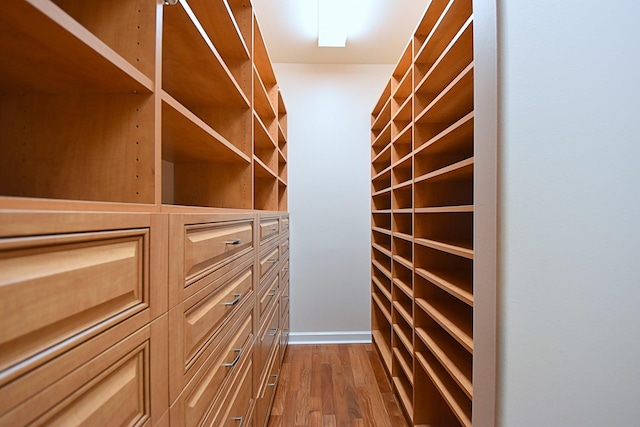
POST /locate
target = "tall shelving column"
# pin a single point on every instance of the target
(429, 355)
(381, 278)
(402, 218)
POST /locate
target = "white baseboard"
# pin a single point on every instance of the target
(336, 337)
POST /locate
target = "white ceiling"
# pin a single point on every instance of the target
(381, 30)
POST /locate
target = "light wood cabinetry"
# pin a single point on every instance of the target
(143, 180)
(422, 219)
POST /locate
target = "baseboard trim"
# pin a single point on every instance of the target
(336, 337)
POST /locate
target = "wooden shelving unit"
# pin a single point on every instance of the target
(422, 175)
(143, 181)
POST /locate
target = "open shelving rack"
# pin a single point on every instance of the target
(422, 219)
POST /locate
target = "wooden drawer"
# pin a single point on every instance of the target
(268, 336)
(194, 402)
(284, 299)
(284, 271)
(284, 224)
(207, 246)
(268, 294)
(112, 388)
(60, 290)
(284, 247)
(235, 407)
(267, 390)
(268, 259)
(269, 227)
(198, 324)
(284, 335)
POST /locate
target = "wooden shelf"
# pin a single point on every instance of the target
(408, 291)
(401, 357)
(454, 102)
(383, 348)
(451, 321)
(262, 100)
(458, 366)
(405, 393)
(382, 288)
(384, 310)
(382, 268)
(403, 312)
(381, 249)
(218, 21)
(381, 140)
(405, 262)
(383, 118)
(450, 282)
(429, 24)
(459, 404)
(382, 181)
(381, 230)
(405, 337)
(445, 209)
(452, 145)
(262, 170)
(43, 50)
(455, 16)
(186, 138)
(209, 82)
(453, 249)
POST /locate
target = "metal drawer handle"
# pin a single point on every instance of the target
(235, 301)
(286, 269)
(285, 298)
(238, 419)
(273, 384)
(233, 242)
(272, 293)
(235, 361)
(170, 2)
(275, 332)
(272, 260)
(273, 229)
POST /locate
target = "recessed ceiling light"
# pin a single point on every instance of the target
(332, 23)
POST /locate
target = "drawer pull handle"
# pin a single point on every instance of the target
(170, 2)
(237, 298)
(272, 260)
(272, 293)
(274, 383)
(238, 419)
(286, 298)
(273, 229)
(233, 242)
(235, 361)
(286, 269)
(274, 333)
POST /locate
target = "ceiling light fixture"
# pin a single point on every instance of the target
(332, 23)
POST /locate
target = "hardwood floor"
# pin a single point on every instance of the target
(334, 385)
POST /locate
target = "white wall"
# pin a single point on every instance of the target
(329, 109)
(570, 213)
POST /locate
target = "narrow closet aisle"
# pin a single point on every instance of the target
(334, 385)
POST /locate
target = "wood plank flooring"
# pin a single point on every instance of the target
(334, 385)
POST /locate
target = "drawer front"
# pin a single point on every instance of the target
(268, 336)
(284, 224)
(216, 372)
(240, 402)
(112, 388)
(265, 398)
(284, 271)
(209, 246)
(284, 247)
(268, 261)
(203, 318)
(268, 228)
(267, 296)
(55, 288)
(284, 304)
